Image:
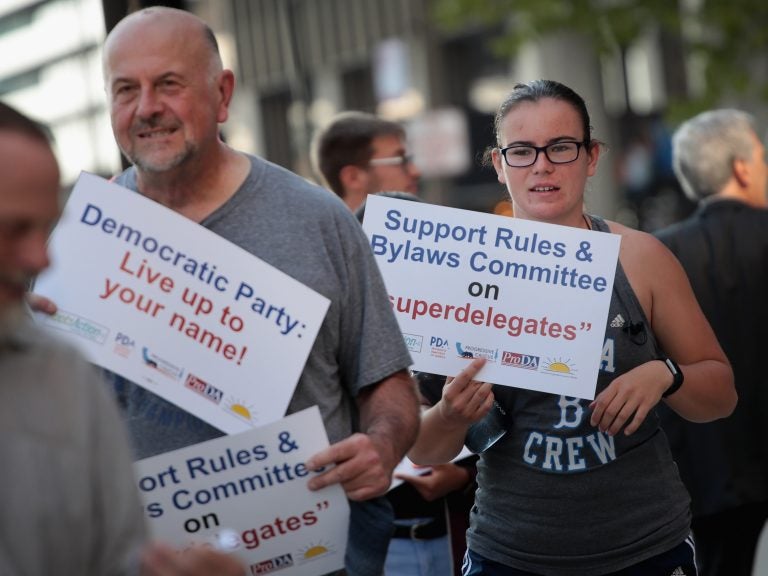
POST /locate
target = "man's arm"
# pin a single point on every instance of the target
(389, 423)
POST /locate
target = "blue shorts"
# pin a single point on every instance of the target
(679, 561)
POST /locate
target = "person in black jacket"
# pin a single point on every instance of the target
(720, 163)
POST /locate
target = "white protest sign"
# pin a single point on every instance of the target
(172, 306)
(406, 467)
(249, 491)
(530, 297)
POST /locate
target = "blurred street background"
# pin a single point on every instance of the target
(441, 67)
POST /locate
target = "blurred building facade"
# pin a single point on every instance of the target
(298, 62)
(51, 70)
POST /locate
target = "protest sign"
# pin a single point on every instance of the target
(247, 493)
(406, 467)
(168, 304)
(532, 298)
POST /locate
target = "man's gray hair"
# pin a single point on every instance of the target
(705, 147)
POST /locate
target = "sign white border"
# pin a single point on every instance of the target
(168, 304)
(248, 492)
(530, 297)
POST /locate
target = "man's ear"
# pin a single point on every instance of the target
(354, 181)
(225, 85)
(741, 172)
(353, 178)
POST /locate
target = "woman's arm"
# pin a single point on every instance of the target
(683, 332)
(444, 425)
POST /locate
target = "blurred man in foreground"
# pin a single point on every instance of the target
(69, 500)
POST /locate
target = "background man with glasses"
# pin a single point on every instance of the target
(359, 154)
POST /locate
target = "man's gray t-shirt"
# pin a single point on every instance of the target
(70, 504)
(308, 233)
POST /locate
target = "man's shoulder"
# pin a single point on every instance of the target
(46, 343)
(677, 229)
(51, 365)
(296, 199)
(730, 216)
(290, 185)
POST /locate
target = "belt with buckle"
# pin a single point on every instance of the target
(424, 531)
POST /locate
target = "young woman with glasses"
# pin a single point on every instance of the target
(572, 486)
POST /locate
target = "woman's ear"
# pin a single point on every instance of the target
(498, 165)
(594, 154)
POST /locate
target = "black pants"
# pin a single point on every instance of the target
(679, 562)
(726, 542)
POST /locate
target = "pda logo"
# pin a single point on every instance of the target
(437, 342)
(413, 342)
(517, 360)
(272, 565)
(124, 345)
(439, 346)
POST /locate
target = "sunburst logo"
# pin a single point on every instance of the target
(560, 367)
(241, 409)
(313, 551)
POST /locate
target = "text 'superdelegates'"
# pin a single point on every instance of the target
(531, 298)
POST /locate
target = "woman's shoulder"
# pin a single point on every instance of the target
(637, 243)
(647, 262)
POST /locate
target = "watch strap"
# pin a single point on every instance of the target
(677, 376)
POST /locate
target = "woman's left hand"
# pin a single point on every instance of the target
(629, 398)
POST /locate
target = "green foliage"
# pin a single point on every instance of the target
(725, 34)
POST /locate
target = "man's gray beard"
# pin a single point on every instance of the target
(150, 167)
(12, 319)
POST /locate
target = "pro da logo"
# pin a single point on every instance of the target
(272, 565)
(518, 360)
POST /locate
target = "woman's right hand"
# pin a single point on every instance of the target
(465, 400)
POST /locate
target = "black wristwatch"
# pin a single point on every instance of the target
(677, 377)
